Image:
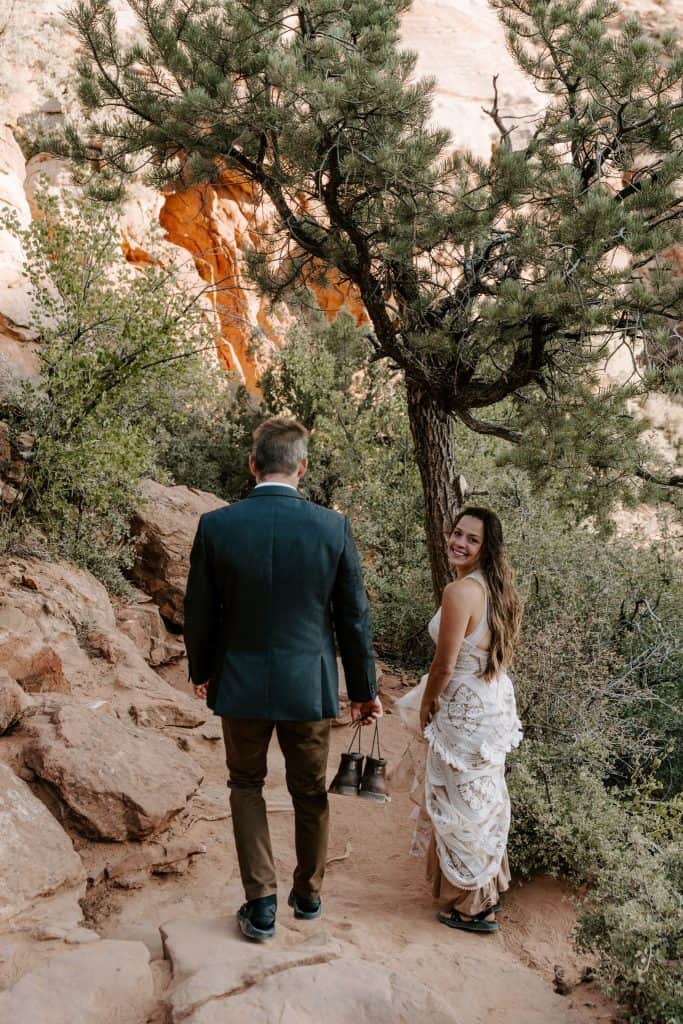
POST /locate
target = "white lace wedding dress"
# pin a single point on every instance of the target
(465, 796)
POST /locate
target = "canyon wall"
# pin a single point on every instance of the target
(205, 231)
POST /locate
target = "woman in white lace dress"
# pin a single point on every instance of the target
(468, 716)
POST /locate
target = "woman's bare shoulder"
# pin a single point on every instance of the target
(465, 592)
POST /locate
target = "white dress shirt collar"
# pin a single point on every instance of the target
(275, 483)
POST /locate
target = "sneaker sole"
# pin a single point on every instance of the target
(344, 790)
(253, 933)
(381, 798)
(305, 915)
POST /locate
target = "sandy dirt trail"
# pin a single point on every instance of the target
(377, 904)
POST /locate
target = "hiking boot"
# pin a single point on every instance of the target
(306, 910)
(373, 784)
(256, 918)
(347, 779)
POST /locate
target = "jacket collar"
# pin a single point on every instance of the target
(275, 491)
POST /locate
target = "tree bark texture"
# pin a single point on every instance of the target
(432, 431)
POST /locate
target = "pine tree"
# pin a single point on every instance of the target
(493, 286)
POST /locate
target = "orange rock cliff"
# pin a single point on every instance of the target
(207, 230)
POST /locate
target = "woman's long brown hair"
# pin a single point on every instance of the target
(505, 606)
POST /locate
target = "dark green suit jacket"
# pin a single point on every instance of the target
(272, 579)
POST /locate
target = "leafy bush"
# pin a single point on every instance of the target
(633, 920)
(625, 848)
(601, 653)
(203, 436)
(565, 820)
(115, 343)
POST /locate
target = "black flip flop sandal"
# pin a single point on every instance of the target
(473, 924)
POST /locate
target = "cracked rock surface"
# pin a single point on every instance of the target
(107, 982)
(41, 875)
(117, 781)
(218, 978)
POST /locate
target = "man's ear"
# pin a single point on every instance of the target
(252, 467)
(303, 466)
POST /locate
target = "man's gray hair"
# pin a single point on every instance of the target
(278, 446)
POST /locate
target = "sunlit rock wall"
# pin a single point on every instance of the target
(206, 231)
(211, 227)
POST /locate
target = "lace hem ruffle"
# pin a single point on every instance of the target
(494, 755)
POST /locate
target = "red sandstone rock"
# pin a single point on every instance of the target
(14, 702)
(36, 666)
(117, 781)
(140, 620)
(108, 982)
(41, 875)
(133, 870)
(55, 607)
(164, 530)
(219, 978)
(14, 452)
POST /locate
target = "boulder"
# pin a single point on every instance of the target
(14, 702)
(140, 619)
(134, 869)
(164, 528)
(59, 634)
(107, 982)
(15, 290)
(218, 977)
(41, 875)
(35, 665)
(117, 781)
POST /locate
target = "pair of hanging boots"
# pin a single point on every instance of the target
(354, 780)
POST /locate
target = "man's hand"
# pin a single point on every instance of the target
(367, 711)
(200, 691)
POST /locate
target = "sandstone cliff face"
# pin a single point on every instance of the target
(15, 303)
(216, 223)
(207, 230)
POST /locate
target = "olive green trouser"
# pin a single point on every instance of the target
(305, 746)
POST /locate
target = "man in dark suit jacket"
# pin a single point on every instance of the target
(272, 580)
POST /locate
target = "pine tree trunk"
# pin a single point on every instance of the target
(432, 431)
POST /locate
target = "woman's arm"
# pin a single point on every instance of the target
(463, 601)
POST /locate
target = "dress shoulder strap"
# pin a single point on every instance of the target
(478, 575)
(480, 628)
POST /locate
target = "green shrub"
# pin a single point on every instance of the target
(115, 341)
(601, 652)
(564, 819)
(203, 436)
(624, 848)
(632, 919)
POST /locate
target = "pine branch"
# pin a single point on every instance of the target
(494, 114)
(673, 481)
(490, 429)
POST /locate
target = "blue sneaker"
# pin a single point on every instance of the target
(256, 918)
(306, 910)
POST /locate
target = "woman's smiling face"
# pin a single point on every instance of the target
(465, 544)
